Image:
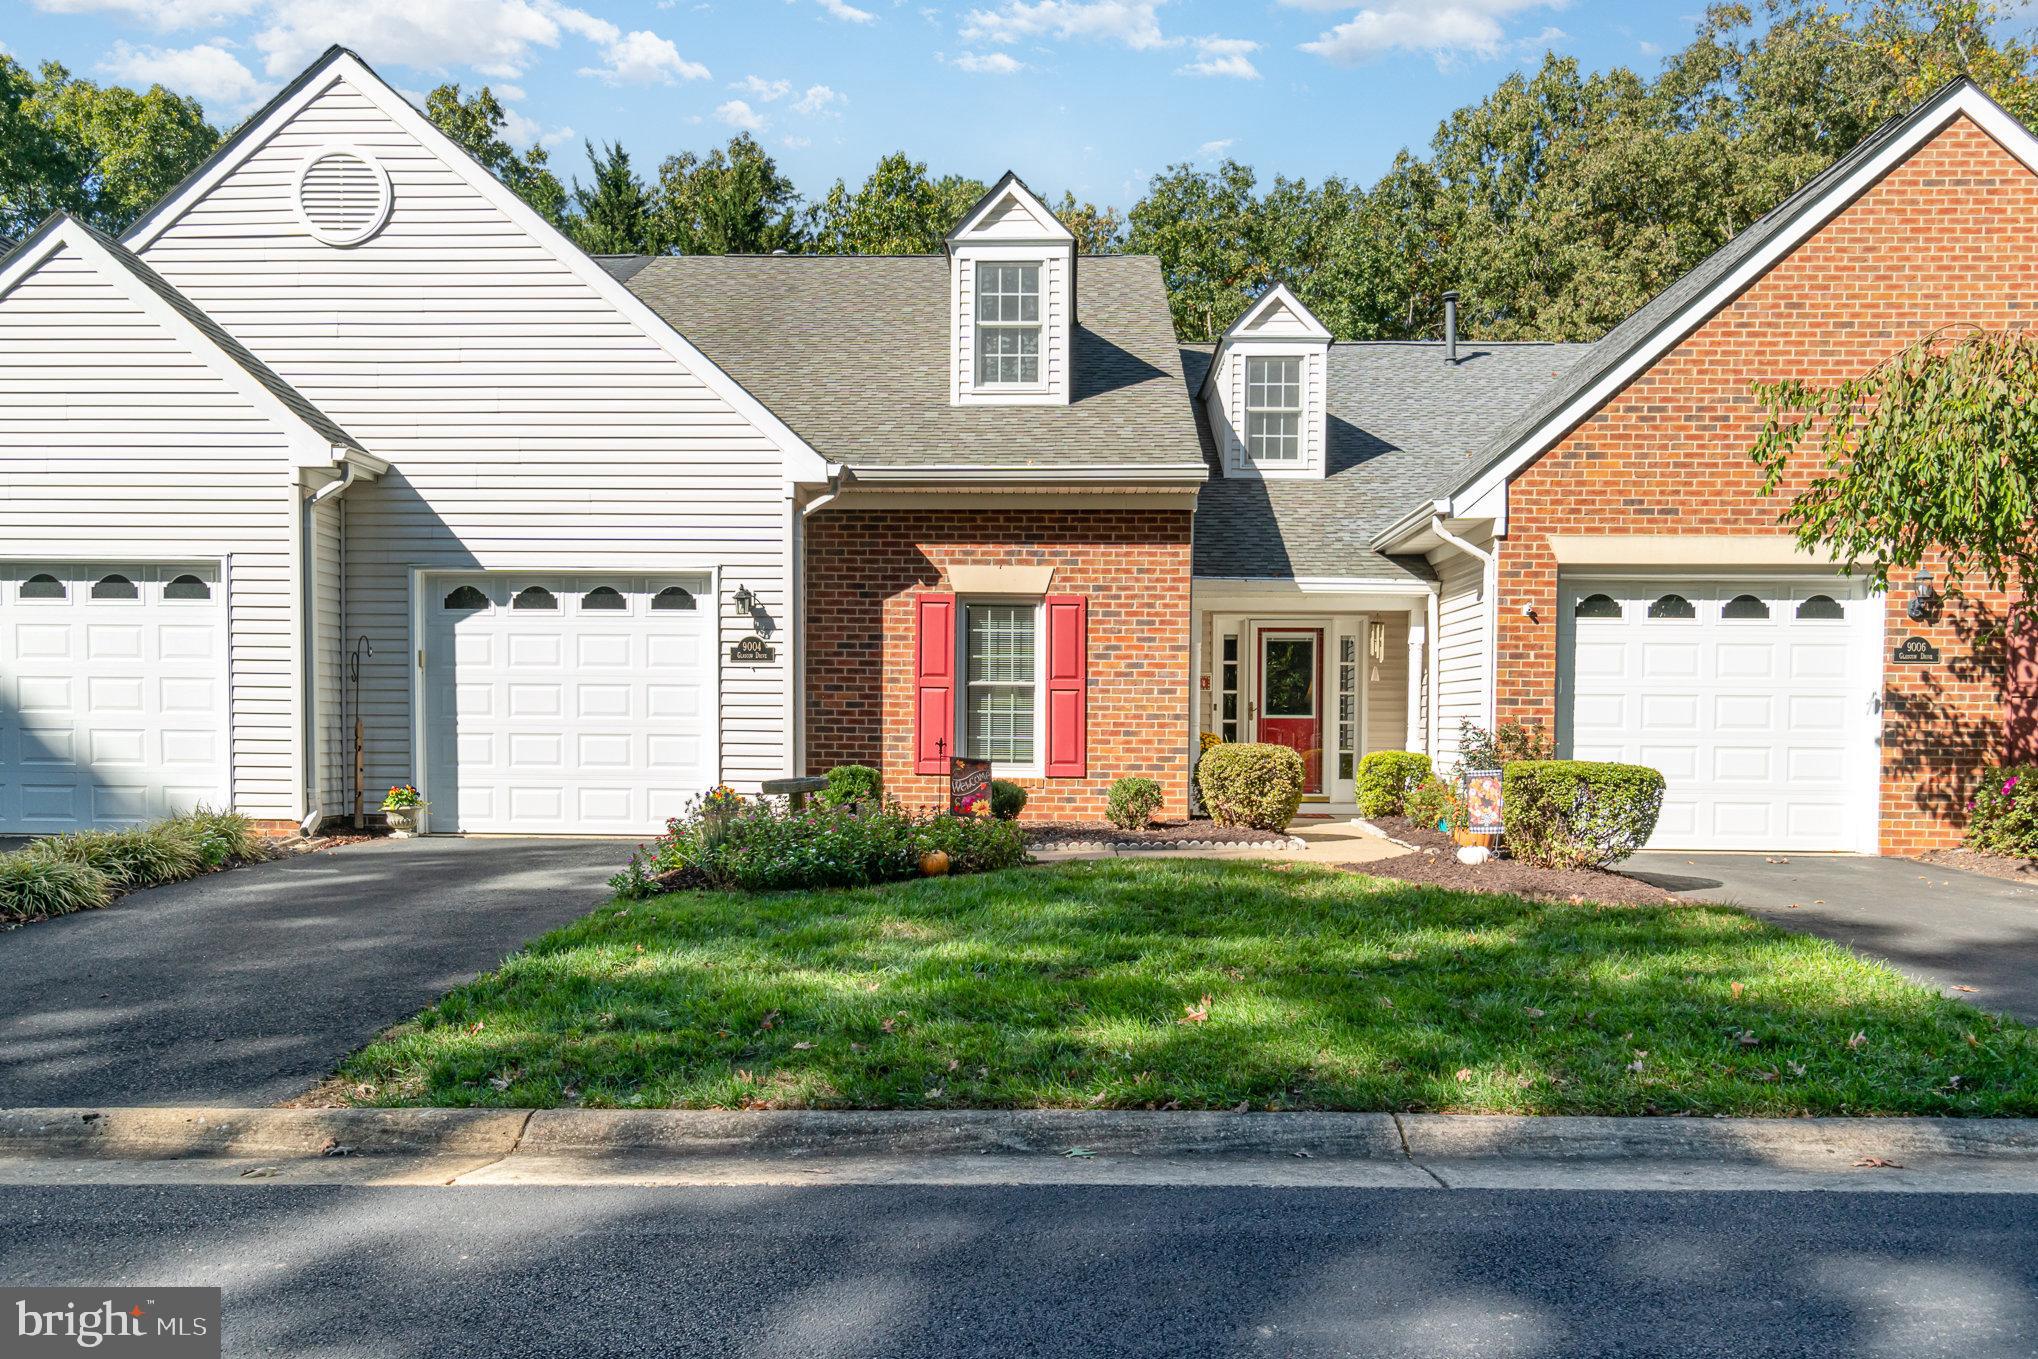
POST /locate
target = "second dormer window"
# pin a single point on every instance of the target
(1008, 325)
(1273, 409)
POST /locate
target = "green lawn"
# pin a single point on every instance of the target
(1199, 985)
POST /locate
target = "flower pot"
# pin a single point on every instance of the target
(404, 821)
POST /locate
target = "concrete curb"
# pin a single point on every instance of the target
(178, 1133)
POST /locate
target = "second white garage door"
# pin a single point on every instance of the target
(1754, 698)
(566, 704)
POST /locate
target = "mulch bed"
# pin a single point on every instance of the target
(1434, 863)
(1994, 865)
(1057, 834)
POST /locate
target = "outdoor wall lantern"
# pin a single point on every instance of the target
(1924, 599)
(745, 601)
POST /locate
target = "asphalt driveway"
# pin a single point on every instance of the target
(247, 987)
(1971, 936)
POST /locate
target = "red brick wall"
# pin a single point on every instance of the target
(1950, 236)
(865, 568)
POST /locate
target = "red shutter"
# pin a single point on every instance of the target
(1068, 687)
(2020, 692)
(933, 683)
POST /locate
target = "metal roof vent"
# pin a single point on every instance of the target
(343, 195)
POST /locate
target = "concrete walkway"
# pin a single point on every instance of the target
(246, 987)
(1323, 842)
(1970, 936)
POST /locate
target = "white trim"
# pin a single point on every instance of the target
(308, 447)
(1009, 185)
(958, 744)
(1965, 99)
(803, 463)
(1024, 473)
(1266, 302)
(1351, 585)
(375, 167)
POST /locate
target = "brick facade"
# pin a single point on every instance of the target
(865, 568)
(1948, 237)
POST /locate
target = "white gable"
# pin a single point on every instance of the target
(1283, 336)
(1012, 281)
(1011, 212)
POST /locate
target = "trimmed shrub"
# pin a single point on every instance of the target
(1131, 803)
(2003, 814)
(1386, 778)
(852, 784)
(1255, 785)
(1578, 813)
(1008, 799)
(35, 885)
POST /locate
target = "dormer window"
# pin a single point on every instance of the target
(1273, 409)
(1008, 324)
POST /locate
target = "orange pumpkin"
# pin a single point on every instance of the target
(934, 863)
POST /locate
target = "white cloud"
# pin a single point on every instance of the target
(767, 90)
(1131, 22)
(160, 14)
(1440, 28)
(1217, 148)
(795, 142)
(1223, 57)
(507, 93)
(521, 131)
(819, 99)
(493, 37)
(208, 72)
(988, 63)
(644, 58)
(738, 114)
(847, 13)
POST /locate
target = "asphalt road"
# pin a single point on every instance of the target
(1055, 1271)
(247, 987)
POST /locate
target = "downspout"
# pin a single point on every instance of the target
(1490, 578)
(307, 699)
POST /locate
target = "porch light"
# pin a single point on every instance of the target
(745, 601)
(1924, 599)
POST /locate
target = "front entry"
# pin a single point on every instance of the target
(1291, 697)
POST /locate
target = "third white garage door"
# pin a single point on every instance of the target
(566, 704)
(1755, 698)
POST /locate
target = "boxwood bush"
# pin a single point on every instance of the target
(1008, 799)
(2003, 814)
(1255, 784)
(1386, 778)
(851, 784)
(1131, 803)
(1578, 813)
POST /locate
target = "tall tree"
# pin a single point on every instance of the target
(612, 216)
(732, 201)
(103, 152)
(476, 123)
(898, 210)
(1098, 231)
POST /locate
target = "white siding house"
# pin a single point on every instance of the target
(538, 419)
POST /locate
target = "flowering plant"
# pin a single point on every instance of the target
(2003, 814)
(402, 795)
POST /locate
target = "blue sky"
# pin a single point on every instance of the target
(1088, 95)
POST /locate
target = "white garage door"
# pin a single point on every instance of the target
(574, 704)
(1754, 698)
(112, 694)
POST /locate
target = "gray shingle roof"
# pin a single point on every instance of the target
(851, 352)
(1613, 348)
(1401, 423)
(294, 400)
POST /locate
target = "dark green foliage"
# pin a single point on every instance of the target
(1479, 748)
(2003, 816)
(612, 216)
(476, 123)
(1578, 813)
(1386, 778)
(850, 785)
(223, 839)
(1008, 799)
(1131, 803)
(730, 202)
(1251, 784)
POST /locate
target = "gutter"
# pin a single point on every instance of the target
(1146, 474)
(307, 676)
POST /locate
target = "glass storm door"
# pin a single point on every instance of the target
(1291, 697)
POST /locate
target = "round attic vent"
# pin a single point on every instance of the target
(343, 195)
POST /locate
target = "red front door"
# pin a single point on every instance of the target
(1291, 697)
